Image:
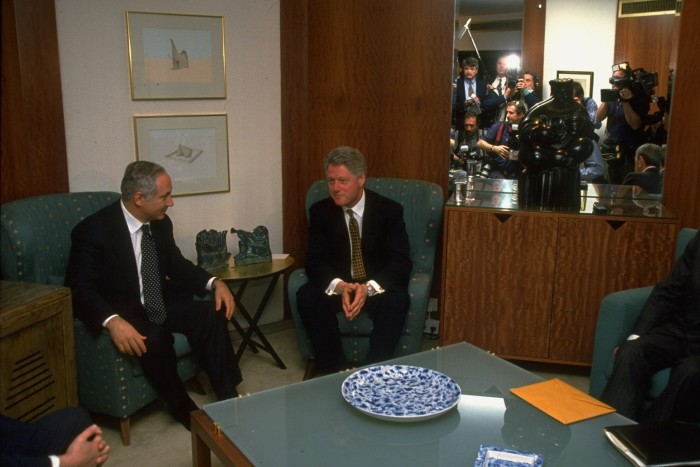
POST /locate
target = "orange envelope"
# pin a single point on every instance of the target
(562, 401)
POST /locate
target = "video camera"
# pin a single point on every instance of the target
(639, 81)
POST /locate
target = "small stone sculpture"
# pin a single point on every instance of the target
(211, 249)
(254, 246)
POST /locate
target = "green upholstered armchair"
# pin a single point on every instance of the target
(423, 206)
(618, 313)
(35, 246)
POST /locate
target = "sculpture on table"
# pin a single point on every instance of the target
(211, 249)
(254, 247)
(555, 137)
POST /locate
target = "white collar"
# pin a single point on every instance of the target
(359, 208)
(132, 223)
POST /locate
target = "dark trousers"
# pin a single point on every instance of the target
(637, 361)
(31, 443)
(318, 312)
(207, 332)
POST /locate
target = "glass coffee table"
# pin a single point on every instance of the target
(310, 423)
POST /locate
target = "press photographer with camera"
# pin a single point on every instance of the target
(468, 92)
(500, 144)
(525, 88)
(625, 107)
(464, 145)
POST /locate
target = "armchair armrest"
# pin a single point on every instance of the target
(419, 293)
(618, 313)
(296, 279)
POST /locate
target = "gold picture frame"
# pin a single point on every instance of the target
(583, 77)
(193, 149)
(176, 56)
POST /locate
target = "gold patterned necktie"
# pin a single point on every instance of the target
(358, 266)
(152, 291)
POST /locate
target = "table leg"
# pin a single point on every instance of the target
(253, 324)
(201, 455)
(207, 439)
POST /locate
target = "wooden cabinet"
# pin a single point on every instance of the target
(528, 285)
(37, 355)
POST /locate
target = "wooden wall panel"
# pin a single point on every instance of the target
(499, 273)
(647, 42)
(33, 157)
(374, 75)
(682, 183)
(595, 258)
(534, 16)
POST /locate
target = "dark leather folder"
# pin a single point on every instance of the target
(657, 444)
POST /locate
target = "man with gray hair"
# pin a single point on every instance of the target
(357, 260)
(647, 175)
(120, 259)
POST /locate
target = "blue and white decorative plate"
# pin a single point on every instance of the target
(401, 393)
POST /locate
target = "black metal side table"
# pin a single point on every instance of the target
(243, 275)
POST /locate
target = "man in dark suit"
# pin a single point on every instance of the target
(468, 92)
(66, 437)
(647, 161)
(371, 276)
(666, 334)
(112, 288)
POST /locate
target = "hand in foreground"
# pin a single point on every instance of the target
(125, 337)
(354, 296)
(87, 449)
(502, 151)
(625, 94)
(223, 296)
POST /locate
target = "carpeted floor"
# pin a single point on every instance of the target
(158, 440)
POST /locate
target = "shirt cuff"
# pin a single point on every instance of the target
(211, 281)
(330, 290)
(55, 461)
(376, 289)
(109, 318)
(633, 337)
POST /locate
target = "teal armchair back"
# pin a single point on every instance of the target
(422, 210)
(618, 313)
(35, 246)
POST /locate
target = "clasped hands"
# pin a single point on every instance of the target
(354, 295)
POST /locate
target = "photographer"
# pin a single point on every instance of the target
(468, 92)
(525, 88)
(624, 130)
(500, 91)
(464, 144)
(498, 142)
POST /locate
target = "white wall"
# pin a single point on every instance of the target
(98, 112)
(580, 36)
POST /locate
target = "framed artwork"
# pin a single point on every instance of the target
(193, 149)
(175, 56)
(583, 77)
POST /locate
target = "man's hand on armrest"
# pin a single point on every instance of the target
(125, 337)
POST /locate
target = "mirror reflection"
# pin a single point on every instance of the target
(492, 92)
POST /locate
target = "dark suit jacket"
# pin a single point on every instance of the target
(102, 271)
(385, 247)
(650, 180)
(460, 95)
(673, 307)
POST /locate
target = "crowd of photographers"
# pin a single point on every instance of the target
(486, 113)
